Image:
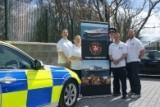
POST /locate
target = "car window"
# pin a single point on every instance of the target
(146, 55)
(153, 55)
(12, 59)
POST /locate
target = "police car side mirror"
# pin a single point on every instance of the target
(38, 64)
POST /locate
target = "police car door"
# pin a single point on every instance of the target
(13, 80)
(22, 86)
(40, 87)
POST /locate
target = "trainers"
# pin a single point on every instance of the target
(135, 96)
(130, 93)
(123, 97)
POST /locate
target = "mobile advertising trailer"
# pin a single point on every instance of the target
(95, 61)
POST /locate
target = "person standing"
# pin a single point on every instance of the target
(111, 34)
(75, 55)
(135, 53)
(118, 54)
(63, 48)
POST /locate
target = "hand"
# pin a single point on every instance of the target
(115, 62)
(140, 56)
(68, 60)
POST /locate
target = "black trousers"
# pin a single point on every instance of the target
(119, 75)
(133, 70)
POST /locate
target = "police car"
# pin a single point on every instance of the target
(26, 82)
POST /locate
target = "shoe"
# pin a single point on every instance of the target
(130, 94)
(123, 97)
(135, 96)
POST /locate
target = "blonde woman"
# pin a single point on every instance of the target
(75, 55)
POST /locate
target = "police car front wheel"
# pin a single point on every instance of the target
(69, 94)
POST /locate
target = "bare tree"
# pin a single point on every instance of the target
(124, 15)
(152, 5)
(121, 14)
(2, 18)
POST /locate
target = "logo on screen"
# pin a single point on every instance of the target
(95, 48)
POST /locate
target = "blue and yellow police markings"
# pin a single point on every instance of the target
(59, 75)
(32, 88)
(14, 94)
(40, 86)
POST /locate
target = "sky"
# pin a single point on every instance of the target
(151, 31)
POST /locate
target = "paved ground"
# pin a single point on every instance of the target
(150, 97)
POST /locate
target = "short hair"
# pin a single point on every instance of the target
(112, 30)
(131, 30)
(64, 31)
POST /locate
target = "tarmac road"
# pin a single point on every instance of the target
(150, 97)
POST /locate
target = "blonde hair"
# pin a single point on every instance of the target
(77, 36)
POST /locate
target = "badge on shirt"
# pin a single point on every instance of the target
(120, 48)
